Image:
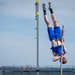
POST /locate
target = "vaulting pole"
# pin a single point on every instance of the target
(37, 37)
(61, 66)
(61, 69)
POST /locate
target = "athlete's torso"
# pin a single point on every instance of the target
(56, 43)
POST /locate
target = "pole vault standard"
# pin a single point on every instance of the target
(37, 37)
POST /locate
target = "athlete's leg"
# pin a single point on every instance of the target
(49, 27)
(53, 15)
(45, 15)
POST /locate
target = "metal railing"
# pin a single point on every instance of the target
(44, 71)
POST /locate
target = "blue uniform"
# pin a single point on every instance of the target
(57, 49)
(53, 35)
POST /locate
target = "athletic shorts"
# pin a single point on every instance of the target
(54, 33)
(57, 49)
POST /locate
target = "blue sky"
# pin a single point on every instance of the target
(17, 32)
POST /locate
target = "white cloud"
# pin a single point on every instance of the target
(19, 8)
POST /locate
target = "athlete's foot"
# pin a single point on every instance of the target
(44, 6)
(49, 5)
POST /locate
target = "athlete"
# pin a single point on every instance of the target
(56, 35)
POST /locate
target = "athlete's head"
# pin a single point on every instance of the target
(64, 60)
